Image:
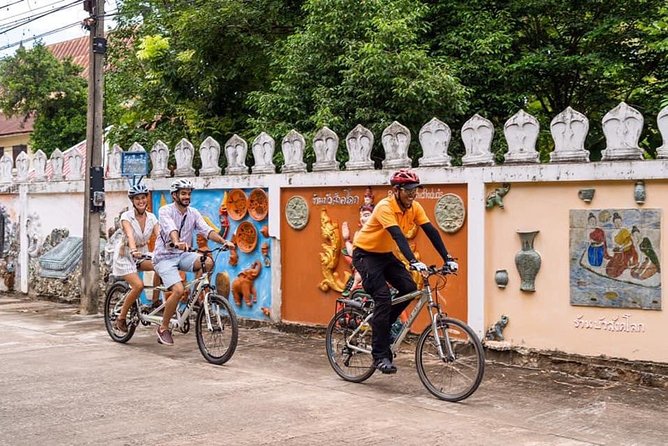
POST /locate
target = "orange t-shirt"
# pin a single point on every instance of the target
(374, 237)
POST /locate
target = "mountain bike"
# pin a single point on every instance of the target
(216, 326)
(449, 357)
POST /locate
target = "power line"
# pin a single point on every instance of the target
(53, 31)
(7, 19)
(19, 23)
(48, 33)
(10, 4)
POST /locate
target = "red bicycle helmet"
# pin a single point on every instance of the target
(405, 178)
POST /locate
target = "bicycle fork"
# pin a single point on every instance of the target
(443, 345)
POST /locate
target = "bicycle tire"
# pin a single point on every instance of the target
(339, 355)
(213, 343)
(452, 379)
(113, 301)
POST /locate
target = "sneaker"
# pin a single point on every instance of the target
(164, 337)
(384, 365)
(121, 325)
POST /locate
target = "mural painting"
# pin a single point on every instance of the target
(317, 230)
(9, 248)
(615, 258)
(243, 275)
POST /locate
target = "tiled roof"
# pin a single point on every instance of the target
(76, 49)
(15, 125)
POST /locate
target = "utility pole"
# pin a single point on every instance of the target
(94, 185)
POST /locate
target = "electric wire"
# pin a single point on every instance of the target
(18, 23)
(10, 4)
(31, 11)
(53, 31)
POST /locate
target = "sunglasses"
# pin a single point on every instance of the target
(410, 192)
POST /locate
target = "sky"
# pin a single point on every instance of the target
(14, 12)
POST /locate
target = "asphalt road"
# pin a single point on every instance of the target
(64, 382)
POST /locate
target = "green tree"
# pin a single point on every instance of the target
(185, 68)
(357, 62)
(545, 55)
(34, 81)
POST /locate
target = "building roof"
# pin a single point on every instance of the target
(77, 50)
(15, 125)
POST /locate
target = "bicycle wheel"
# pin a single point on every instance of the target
(217, 341)
(351, 365)
(113, 302)
(459, 374)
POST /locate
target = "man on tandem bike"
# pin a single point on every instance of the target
(178, 222)
(372, 257)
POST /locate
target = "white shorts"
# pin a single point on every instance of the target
(168, 269)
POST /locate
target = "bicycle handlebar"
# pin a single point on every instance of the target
(433, 270)
(202, 251)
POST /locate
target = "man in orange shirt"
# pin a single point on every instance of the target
(373, 258)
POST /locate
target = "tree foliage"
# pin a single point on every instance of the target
(183, 69)
(194, 68)
(546, 55)
(357, 62)
(34, 81)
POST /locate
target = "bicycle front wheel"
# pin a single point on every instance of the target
(113, 302)
(218, 332)
(457, 374)
(348, 362)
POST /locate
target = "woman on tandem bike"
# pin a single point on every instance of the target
(132, 254)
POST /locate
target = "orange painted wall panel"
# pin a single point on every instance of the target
(303, 301)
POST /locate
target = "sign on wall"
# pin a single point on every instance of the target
(615, 258)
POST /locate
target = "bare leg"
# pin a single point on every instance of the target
(136, 287)
(171, 304)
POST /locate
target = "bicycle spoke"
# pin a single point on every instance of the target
(451, 379)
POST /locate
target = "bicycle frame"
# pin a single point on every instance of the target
(196, 286)
(425, 298)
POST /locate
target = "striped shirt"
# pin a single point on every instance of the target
(185, 224)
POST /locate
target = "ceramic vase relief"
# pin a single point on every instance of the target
(501, 278)
(527, 261)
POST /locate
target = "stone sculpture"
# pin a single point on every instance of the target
(662, 123)
(325, 146)
(359, 143)
(435, 138)
(184, 153)
(39, 166)
(477, 134)
(263, 154)
(209, 151)
(569, 131)
(622, 127)
(235, 153)
(114, 162)
(293, 146)
(521, 132)
(395, 140)
(6, 166)
(57, 165)
(159, 158)
(22, 167)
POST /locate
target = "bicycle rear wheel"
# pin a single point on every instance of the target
(349, 364)
(217, 334)
(113, 302)
(457, 375)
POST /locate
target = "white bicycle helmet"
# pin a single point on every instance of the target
(181, 184)
(137, 189)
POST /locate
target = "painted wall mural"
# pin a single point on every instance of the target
(242, 274)
(615, 258)
(9, 248)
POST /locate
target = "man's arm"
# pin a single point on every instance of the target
(213, 235)
(402, 243)
(436, 240)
